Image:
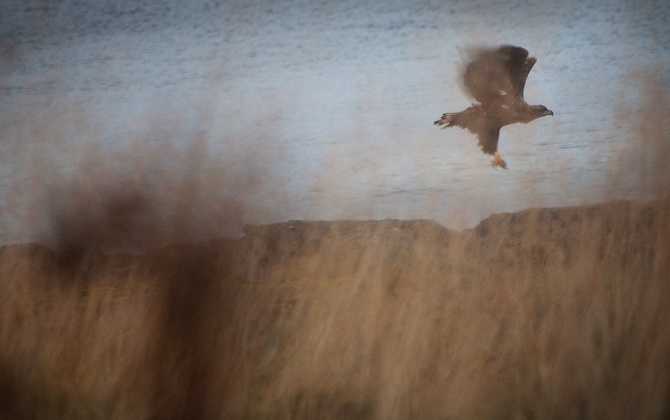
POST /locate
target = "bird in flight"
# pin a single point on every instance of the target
(495, 77)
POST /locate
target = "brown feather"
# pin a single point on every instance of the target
(496, 78)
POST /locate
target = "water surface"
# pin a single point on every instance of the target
(329, 105)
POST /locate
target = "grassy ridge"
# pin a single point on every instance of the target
(541, 313)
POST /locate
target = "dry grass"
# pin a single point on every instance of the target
(543, 313)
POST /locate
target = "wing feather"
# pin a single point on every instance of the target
(528, 65)
(475, 120)
(495, 75)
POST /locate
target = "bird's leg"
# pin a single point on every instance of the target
(498, 161)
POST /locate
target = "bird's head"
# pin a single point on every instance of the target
(541, 111)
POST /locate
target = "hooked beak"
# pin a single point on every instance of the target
(550, 112)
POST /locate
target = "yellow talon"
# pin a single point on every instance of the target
(498, 161)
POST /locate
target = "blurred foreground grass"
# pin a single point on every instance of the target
(545, 313)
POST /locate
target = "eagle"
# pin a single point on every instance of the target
(495, 77)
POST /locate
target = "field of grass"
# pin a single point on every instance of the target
(545, 313)
(130, 310)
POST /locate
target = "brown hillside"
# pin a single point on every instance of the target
(543, 313)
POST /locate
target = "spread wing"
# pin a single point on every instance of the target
(475, 120)
(498, 75)
(527, 66)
